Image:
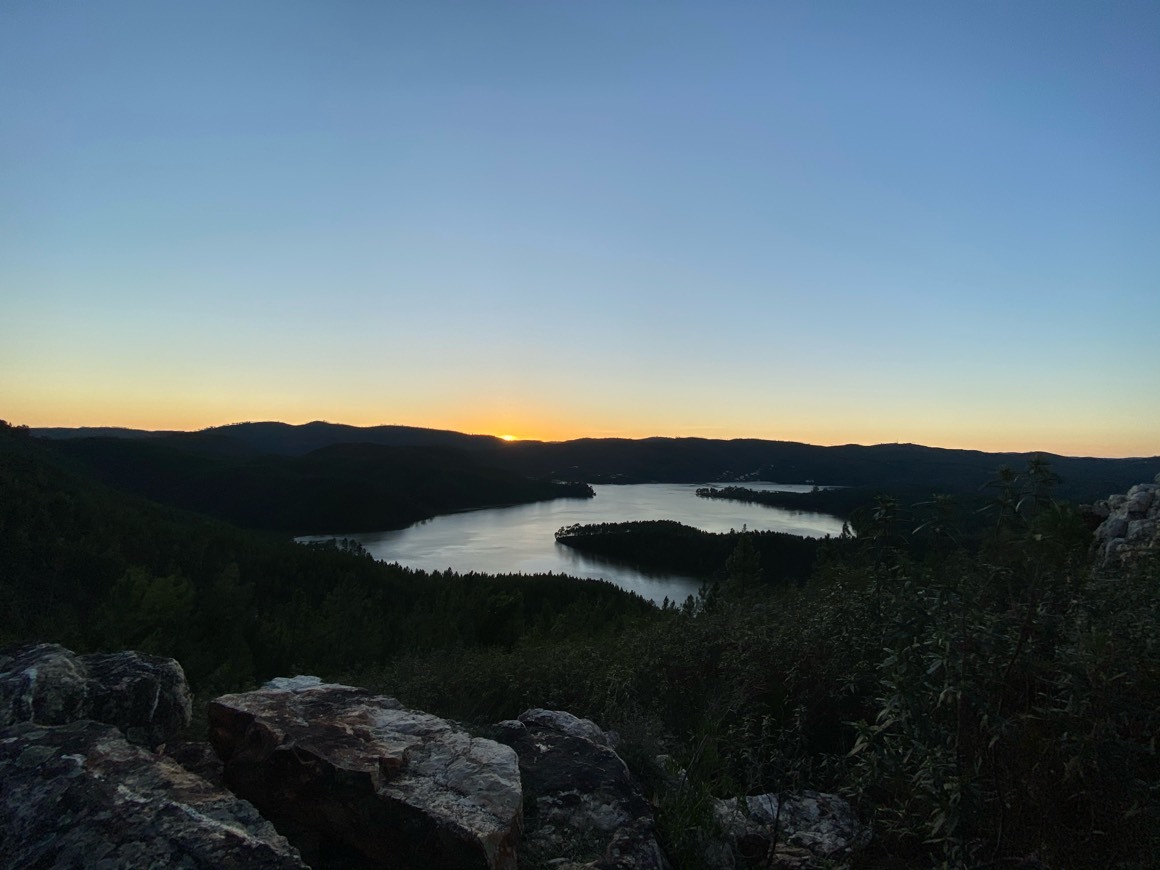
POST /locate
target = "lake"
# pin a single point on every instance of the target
(520, 539)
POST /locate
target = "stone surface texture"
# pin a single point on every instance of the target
(144, 696)
(80, 795)
(197, 757)
(565, 723)
(347, 779)
(357, 780)
(804, 829)
(1129, 527)
(583, 807)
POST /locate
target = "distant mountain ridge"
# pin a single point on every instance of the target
(677, 460)
(61, 432)
(289, 440)
(286, 439)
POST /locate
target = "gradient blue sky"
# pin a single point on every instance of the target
(828, 222)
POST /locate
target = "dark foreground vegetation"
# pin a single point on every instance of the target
(986, 699)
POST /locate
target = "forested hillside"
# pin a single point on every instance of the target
(986, 700)
(95, 568)
(871, 469)
(334, 489)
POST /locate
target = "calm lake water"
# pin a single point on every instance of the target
(520, 539)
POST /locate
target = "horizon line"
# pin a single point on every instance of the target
(513, 439)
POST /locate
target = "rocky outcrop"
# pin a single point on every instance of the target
(583, 808)
(145, 697)
(80, 795)
(355, 779)
(1129, 525)
(804, 829)
(565, 723)
(341, 777)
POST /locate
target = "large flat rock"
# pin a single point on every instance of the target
(352, 773)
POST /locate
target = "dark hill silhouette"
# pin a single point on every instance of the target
(884, 466)
(286, 440)
(894, 467)
(339, 488)
(61, 432)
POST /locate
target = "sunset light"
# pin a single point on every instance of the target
(829, 333)
(879, 223)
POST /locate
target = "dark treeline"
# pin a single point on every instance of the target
(883, 467)
(970, 514)
(340, 488)
(666, 546)
(838, 501)
(880, 467)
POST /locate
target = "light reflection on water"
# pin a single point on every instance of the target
(520, 539)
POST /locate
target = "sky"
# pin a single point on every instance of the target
(826, 222)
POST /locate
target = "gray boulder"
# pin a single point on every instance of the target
(293, 684)
(1138, 501)
(1141, 531)
(80, 795)
(583, 807)
(144, 696)
(347, 773)
(1113, 527)
(42, 683)
(803, 829)
(565, 723)
(1130, 527)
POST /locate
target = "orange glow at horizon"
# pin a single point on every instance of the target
(151, 416)
(95, 402)
(527, 274)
